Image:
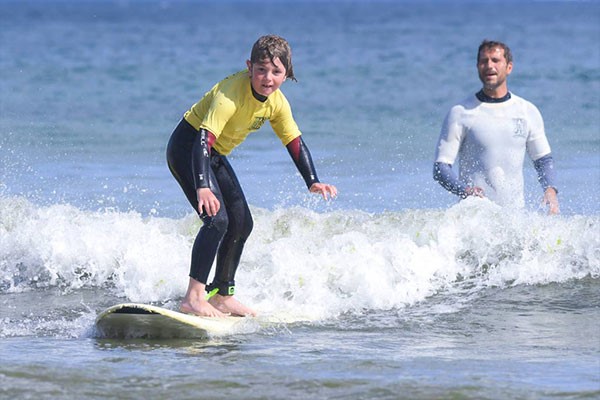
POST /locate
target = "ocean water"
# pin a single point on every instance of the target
(391, 291)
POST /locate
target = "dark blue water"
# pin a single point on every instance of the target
(391, 291)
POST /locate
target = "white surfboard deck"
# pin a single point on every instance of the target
(135, 320)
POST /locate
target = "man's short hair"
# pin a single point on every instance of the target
(490, 44)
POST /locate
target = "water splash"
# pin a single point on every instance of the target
(299, 264)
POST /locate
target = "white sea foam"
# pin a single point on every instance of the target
(298, 264)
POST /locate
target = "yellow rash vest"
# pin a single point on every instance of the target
(231, 112)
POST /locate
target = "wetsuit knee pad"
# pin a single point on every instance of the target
(223, 288)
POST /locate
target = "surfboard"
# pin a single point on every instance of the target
(137, 321)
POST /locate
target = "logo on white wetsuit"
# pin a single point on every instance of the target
(520, 127)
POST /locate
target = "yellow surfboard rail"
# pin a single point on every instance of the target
(137, 320)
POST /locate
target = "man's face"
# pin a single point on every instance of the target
(493, 68)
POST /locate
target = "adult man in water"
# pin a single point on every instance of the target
(489, 133)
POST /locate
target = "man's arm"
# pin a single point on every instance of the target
(546, 172)
(447, 150)
(547, 178)
(444, 174)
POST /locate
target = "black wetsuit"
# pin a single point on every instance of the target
(228, 230)
(225, 234)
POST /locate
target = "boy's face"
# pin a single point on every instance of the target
(266, 76)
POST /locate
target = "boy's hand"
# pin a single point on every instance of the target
(324, 189)
(208, 201)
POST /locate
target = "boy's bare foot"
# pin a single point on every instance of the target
(195, 303)
(199, 307)
(230, 305)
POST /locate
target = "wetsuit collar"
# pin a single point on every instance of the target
(487, 99)
(257, 95)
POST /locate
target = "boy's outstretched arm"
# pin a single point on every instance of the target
(303, 160)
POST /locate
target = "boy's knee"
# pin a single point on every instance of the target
(219, 222)
(247, 229)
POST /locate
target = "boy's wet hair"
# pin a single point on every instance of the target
(490, 44)
(269, 47)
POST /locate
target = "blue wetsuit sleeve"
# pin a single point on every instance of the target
(446, 177)
(201, 159)
(546, 172)
(303, 160)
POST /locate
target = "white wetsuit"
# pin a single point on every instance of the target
(490, 140)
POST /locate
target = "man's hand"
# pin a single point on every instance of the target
(551, 200)
(474, 191)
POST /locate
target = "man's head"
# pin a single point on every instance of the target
(494, 64)
(490, 45)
